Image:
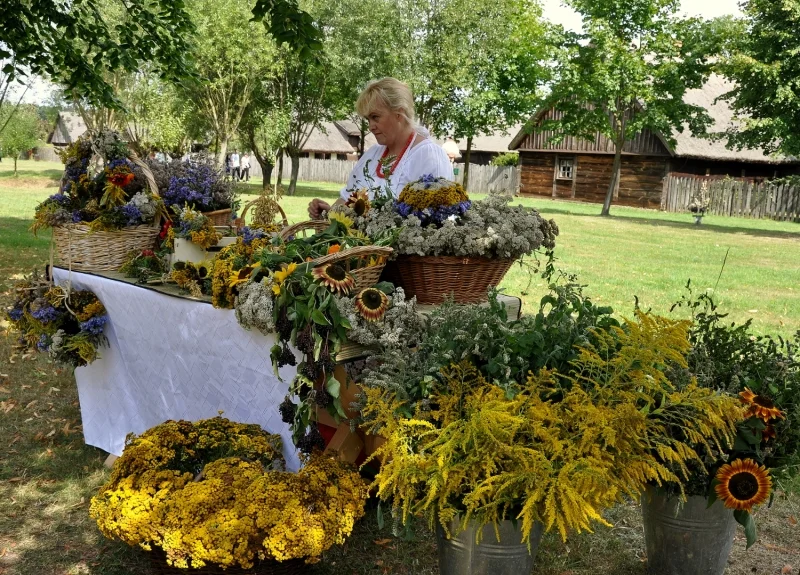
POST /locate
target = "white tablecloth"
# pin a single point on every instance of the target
(174, 358)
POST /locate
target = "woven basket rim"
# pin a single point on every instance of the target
(452, 259)
(87, 227)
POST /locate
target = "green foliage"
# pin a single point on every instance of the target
(763, 64)
(556, 447)
(506, 159)
(730, 357)
(627, 72)
(22, 130)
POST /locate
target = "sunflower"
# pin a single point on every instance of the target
(743, 484)
(768, 433)
(759, 406)
(341, 218)
(242, 275)
(359, 202)
(372, 303)
(280, 276)
(335, 277)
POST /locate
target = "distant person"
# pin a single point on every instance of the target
(227, 166)
(236, 173)
(245, 167)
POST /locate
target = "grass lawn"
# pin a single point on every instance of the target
(48, 475)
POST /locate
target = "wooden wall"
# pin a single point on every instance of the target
(641, 178)
(699, 167)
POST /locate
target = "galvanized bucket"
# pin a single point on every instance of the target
(687, 539)
(460, 555)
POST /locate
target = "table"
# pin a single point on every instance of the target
(174, 358)
(171, 356)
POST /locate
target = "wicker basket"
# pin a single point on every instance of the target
(433, 279)
(240, 221)
(303, 227)
(85, 251)
(80, 249)
(220, 217)
(355, 261)
(158, 566)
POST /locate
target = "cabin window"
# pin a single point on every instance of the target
(566, 168)
(341, 156)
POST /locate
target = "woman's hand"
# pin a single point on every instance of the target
(316, 207)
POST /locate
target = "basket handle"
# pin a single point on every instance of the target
(240, 221)
(316, 225)
(148, 173)
(356, 252)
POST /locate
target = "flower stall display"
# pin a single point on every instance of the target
(213, 494)
(98, 218)
(66, 324)
(198, 184)
(494, 420)
(447, 245)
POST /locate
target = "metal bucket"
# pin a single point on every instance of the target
(460, 555)
(691, 539)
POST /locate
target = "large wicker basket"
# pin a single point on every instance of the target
(80, 249)
(304, 227)
(85, 251)
(158, 566)
(356, 261)
(258, 221)
(434, 279)
(220, 217)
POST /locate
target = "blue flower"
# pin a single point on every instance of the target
(45, 314)
(60, 199)
(248, 234)
(15, 314)
(132, 213)
(44, 342)
(427, 179)
(194, 188)
(121, 162)
(76, 217)
(94, 325)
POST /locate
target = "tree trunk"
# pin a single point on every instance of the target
(15, 164)
(362, 137)
(295, 172)
(279, 177)
(266, 169)
(613, 186)
(223, 150)
(465, 182)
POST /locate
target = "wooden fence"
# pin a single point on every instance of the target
(482, 179)
(733, 197)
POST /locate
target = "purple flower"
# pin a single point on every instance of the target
(15, 314)
(94, 325)
(403, 209)
(60, 199)
(248, 234)
(76, 217)
(427, 179)
(44, 342)
(45, 314)
(194, 188)
(132, 213)
(121, 162)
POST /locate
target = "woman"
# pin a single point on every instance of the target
(388, 106)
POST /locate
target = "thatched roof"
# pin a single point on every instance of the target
(351, 129)
(328, 139)
(496, 142)
(691, 147)
(68, 128)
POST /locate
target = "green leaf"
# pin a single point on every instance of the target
(333, 386)
(337, 404)
(744, 519)
(319, 318)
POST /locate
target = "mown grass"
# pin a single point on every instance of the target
(48, 475)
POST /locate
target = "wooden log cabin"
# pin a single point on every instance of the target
(580, 169)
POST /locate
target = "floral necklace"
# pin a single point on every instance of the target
(379, 167)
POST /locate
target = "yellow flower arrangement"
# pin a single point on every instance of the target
(419, 197)
(559, 448)
(227, 265)
(212, 493)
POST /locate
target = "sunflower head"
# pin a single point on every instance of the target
(372, 304)
(743, 484)
(335, 277)
(341, 218)
(769, 433)
(359, 202)
(280, 276)
(760, 406)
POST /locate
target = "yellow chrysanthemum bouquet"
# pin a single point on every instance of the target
(214, 492)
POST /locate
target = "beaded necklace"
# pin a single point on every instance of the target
(379, 165)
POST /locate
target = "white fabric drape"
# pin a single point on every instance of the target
(174, 358)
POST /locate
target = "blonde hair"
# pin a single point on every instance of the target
(393, 94)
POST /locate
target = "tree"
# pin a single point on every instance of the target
(232, 56)
(155, 115)
(629, 72)
(502, 68)
(764, 66)
(69, 43)
(23, 130)
(266, 128)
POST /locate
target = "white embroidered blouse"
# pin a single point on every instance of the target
(425, 157)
